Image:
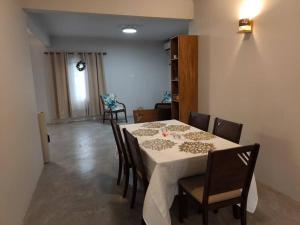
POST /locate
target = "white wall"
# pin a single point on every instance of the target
(20, 148)
(42, 76)
(181, 9)
(255, 80)
(137, 72)
(38, 30)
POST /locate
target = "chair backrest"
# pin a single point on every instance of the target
(164, 111)
(230, 170)
(199, 120)
(102, 104)
(167, 98)
(108, 100)
(162, 106)
(228, 130)
(149, 115)
(135, 154)
(120, 143)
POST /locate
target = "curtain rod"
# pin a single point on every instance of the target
(100, 53)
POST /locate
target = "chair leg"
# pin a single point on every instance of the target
(145, 186)
(125, 116)
(186, 206)
(124, 169)
(243, 214)
(236, 212)
(126, 181)
(143, 222)
(200, 209)
(205, 216)
(180, 204)
(117, 117)
(111, 116)
(120, 170)
(104, 117)
(134, 190)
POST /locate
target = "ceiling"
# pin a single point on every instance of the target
(107, 26)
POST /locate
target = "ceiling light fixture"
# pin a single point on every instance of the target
(129, 30)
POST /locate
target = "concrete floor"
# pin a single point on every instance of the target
(79, 187)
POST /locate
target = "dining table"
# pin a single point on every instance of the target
(172, 150)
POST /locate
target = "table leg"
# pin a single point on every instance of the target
(236, 211)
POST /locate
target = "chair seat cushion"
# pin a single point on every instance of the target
(195, 186)
(115, 108)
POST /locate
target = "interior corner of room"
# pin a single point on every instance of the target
(82, 80)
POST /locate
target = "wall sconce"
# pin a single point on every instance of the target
(245, 26)
(248, 11)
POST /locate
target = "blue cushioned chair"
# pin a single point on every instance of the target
(167, 97)
(112, 106)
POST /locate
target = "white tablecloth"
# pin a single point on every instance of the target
(166, 167)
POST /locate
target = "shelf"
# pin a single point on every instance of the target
(174, 70)
(184, 76)
(174, 49)
(175, 98)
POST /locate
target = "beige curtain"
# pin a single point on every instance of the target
(78, 87)
(96, 82)
(60, 78)
(66, 77)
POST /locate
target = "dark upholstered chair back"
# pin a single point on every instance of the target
(228, 130)
(230, 170)
(163, 106)
(151, 115)
(119, 141)
(135, 155)
(199, 120)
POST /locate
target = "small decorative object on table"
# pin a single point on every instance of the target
(199, 136)
(164, 132)
(158, 144)
(176, 136)
(145, 132)
(196, 147)
(181, 128)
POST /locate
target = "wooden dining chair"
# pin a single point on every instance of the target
(124, 161)
(138, 167)
(199, 120)
(150, 115)
(226, 182)
(164, 111)
(228, 130)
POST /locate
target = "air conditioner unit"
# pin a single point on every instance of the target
(167, 46)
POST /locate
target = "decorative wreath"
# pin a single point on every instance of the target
(81, 65)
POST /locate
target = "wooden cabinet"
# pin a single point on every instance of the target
(184, 76)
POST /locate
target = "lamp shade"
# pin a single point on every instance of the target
(245, 25)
